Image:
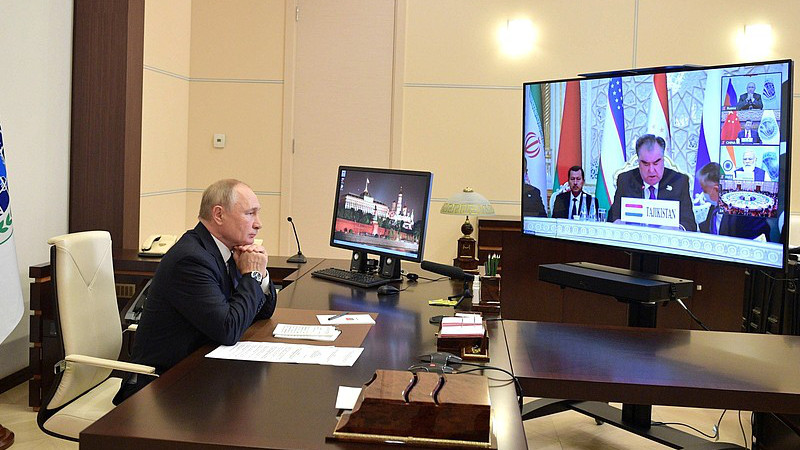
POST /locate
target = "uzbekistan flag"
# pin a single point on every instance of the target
(612, 150)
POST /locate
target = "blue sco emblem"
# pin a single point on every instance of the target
(769, 90)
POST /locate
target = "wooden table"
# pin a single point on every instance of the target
(208, 403)
(703, 369)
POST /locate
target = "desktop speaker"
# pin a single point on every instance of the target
(358, 262)
(390, 267)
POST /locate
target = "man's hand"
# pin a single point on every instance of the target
(250, 258)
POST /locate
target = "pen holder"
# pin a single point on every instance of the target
(490, 289)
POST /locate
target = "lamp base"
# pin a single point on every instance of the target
(466, 254)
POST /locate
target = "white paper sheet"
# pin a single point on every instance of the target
(347, 397)
(326, 333)
(288, 353)
(346, 319)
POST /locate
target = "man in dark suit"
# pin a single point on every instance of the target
(750, 100)
(749, 134)
(653, 181)
(208, 288)
(717, 221)
(532, 205)
(569, 204)
(749, 171)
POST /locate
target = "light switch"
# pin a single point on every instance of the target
(219, 140)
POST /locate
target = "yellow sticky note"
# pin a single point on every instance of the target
(442, 302)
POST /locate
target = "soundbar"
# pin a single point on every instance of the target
(624, 284)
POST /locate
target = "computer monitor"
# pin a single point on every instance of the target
(382, 212)
(680, 161)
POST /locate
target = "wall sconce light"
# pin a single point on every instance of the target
(755, 42)
(517, 37)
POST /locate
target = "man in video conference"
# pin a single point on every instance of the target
(749, 171)
(532, 205)
(717, 222)
(209, 287)
(654, 181)
(569, 204)
(748, 134)
(750, 100)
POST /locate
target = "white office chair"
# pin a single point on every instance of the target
(91, 334)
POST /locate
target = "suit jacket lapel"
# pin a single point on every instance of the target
(211, 247)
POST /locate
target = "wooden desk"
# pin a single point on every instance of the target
(210, 403)
(690, 368)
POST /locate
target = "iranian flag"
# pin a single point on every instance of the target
(533, 145)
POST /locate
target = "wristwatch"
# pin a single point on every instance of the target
(256, 276)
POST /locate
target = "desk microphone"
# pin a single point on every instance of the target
(298, 258)
(450, 271)
(455, 273)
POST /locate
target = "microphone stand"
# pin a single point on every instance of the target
(299, 258)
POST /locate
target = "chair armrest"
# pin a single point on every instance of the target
(106, 363)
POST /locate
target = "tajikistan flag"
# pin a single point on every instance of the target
(11, 304)
(612, 148)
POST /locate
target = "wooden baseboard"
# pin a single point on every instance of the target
(15, 379)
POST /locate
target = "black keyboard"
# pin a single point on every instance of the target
(364, 280)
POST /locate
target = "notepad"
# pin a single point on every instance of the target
(462, 325)
(325, 333)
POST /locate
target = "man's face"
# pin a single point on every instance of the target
(651, 163)
(711, 188)
(751, 87)
(575, 182)
(240, 224)
(749, 159)
(748, 125)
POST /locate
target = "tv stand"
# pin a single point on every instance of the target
(643, 290)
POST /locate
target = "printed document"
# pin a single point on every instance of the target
(288, 353)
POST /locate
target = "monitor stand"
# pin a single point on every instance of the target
(643, 290)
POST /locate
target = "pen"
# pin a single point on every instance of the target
(338, 315)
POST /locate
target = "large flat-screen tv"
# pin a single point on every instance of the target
(680, 161)
(381, 211)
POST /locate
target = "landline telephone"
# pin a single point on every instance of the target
(156, 245)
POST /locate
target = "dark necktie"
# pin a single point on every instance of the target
(233, 271)
(574, 206)
(712, 227)
(652, 192)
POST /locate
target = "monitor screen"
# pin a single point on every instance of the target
(692, 162)
(381, 211)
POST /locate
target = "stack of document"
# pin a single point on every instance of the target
(326, 333)
(462, 325)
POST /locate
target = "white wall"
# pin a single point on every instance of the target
(36, 57)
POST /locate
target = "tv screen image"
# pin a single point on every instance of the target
(381, 211)
(692, 162)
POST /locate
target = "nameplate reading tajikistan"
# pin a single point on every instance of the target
(651, 212)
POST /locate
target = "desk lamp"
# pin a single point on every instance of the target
(466, 203)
